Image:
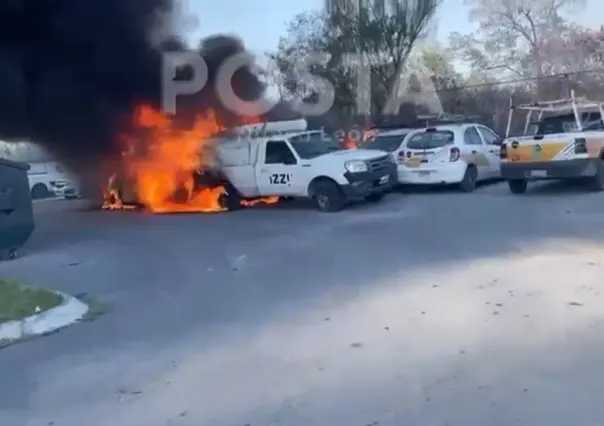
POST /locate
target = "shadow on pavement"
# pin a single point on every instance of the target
(443, 189)
(177, 282)
(558, 187)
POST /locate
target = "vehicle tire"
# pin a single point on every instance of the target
(232, 199)
(375, 198)
(40, 191)
(468, 184)
(517, 186)
(328, 196)
(596, 183)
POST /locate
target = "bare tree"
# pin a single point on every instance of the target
(515, 35)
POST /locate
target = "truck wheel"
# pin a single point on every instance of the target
(328, 196)
(597, 181)
(468, 184)
(39, 191)
(375, 198)
(517, 186)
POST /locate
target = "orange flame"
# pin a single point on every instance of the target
(172, 156)
(162, 175)
(349, 143)
(258, 201)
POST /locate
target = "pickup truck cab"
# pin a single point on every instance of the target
(567, 142)
(303, 164)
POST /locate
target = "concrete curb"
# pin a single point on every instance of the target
(70, 311)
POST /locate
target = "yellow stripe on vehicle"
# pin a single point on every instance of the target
(416, 161)
(537, 152)
(477, 159)
(480, 160)
(413, 162)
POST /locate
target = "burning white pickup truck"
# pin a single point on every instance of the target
(271, 160)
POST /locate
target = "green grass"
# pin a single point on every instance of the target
(18, 301)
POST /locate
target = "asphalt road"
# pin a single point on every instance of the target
(432, 308)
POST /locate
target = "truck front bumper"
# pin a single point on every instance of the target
(363, 184)
(541, 170)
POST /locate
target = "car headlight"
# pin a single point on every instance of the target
(356, 166)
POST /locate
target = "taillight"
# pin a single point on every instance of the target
(401, 157)
(503, 152)
(454, 154)
(580, 146)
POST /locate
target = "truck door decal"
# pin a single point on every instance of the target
(280, 178)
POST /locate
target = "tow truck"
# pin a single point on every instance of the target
(566, 142)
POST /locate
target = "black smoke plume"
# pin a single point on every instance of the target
(72, 72)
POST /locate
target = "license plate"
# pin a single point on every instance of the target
(384, 179)
(539, 173)
(423, 173)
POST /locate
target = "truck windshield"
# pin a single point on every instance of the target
(566, 123)
(431, 139)
(314, 145)
(386, 143)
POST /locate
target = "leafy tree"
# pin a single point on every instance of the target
(383, 35)
(375, 35)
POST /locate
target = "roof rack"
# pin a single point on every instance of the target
(559, 105)
(572, 104)
(267, 128)
(445, 118)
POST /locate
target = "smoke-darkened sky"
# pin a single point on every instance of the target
(72, 71)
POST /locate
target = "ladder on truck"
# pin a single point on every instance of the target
(574, 104)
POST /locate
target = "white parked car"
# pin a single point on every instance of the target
(390, 141)
(462, 154)
(47, 179)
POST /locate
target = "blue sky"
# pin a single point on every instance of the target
(261, 22)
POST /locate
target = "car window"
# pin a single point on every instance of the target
(386, 143)
(471, 136)
(567, 123)
(313, 145)
(431, 139)
(277, 152)
(489, 137)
